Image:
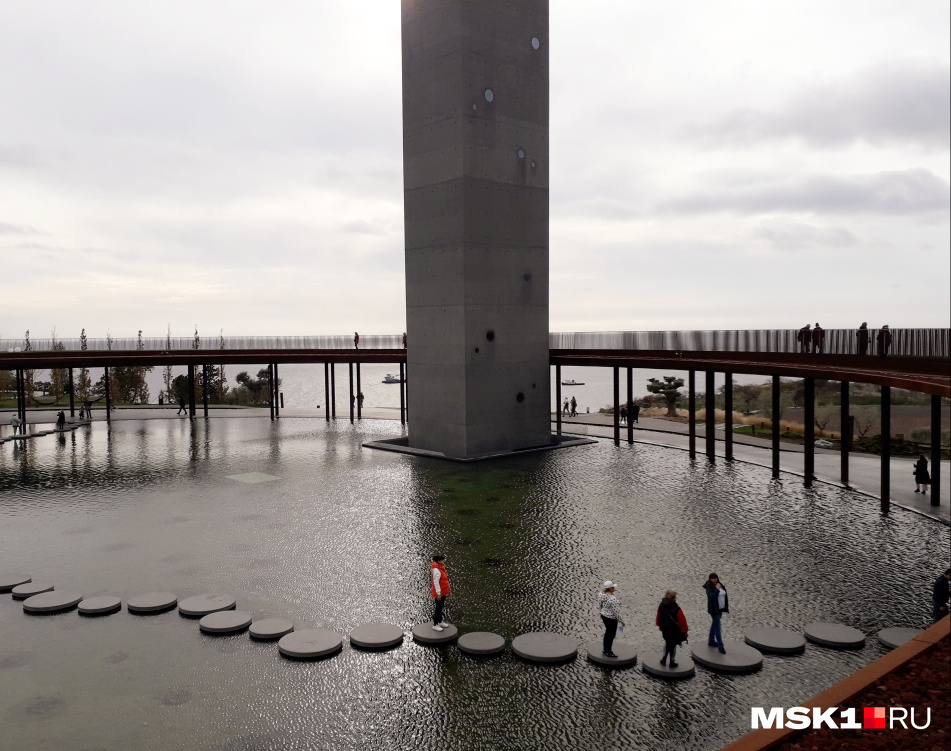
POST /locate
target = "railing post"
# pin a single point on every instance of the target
(333, 390)
(402, 395)
(809, 417)
(350, 368)
(359, 395)
(108, 394)
(845, 433)
(191, 392)
(630, 405)
(327, 391)
(728, 406)
(277, 393)
(617, 406)
(204, 390)
(935, 450)
(558, 399)
(270, 388)
(72, 401)
(886, 420)
(711, 415)
(776, 418)
(692, 413)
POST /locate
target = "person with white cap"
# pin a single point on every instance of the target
(610, 608)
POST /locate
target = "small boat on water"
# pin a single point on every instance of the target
(572, 382)
(390, 378)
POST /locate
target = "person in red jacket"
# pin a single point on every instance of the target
(672, 624)
(439, 583)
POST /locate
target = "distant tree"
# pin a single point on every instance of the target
(669, 389)
(83, 383)
(866, 420)
(824, 415)
(167, 378)
(180, 388)
(746, 395)
(59, 377)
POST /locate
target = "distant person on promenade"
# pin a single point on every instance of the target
(861, 337)
(161, 400)
(609, 606)
(440, 590)
(804, 337)
(940, 596)
(717, 604)
(60, 420)
(818, 339)
(88, 409)
(15, 424)
(356, 340)
(884, 340)
(672, 624)
(181, 406)
(922, 478)
(404, 340)
(566, 409)
(574, 408)
(623, 415)
(635, 412)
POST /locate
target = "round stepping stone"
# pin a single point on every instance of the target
(271, 628)
(311, 643)
(153, 602)
(739, 657)
(22, 591)
(51, 602)
(424, 634)
(204, 604)
(225, 622)
(376, 636)
(835, 635)
(685, 667)
(895, 637)
(100, 605)
(9, 581)
(626, 654)
(544, 646)
(481, 643)
(779, 641)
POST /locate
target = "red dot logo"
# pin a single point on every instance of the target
(874, 718)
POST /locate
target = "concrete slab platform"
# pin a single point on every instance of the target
(544, 646)
(225, 622)
(424, 634)
(200, 605)
(9, 581)
(22, 591)
(772, 640)
(685, 667)
(739, 657)
(626, 654)
(895, 637)
(270, 628)
(481, 643)
(401, 446)
(376, 636)
(101, 605)
(310, 643)
(152, 602)
(835, 635)
(51, 602)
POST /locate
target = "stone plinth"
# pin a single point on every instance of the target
(200, 605)
(376, 636)
(310, 643)
(424, 634)
(51, 602)
(225, 622)
(685, 668)
(544, 646)
(895, 637)
(626, 654)
(779, 641)
(481, 643)
(835, 635)
(739, 657)
(9, 581)
(101, 605)
(270, 628)
(22, 591)
(151, 602)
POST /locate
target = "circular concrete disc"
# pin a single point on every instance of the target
(204, 604)
(778, 641)
(271, 628)
(739, 657)
(310, 643)
(51, 602)
(685, 668)
(153, 602)
(895, 637)
(483, 643)
(835, 635)
(626, 654)
(376, 636)
(22, 591)
(9, 581)
(100, 605)
(424, 634)
(544, 646)
(225, 622)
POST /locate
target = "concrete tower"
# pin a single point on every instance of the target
(475, 163)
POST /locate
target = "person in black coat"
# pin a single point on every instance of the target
(922, 478)
(60, 420)
(861, 337)
(672, 624)
(717, 604)
(940, 595)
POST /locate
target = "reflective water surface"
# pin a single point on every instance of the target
(339, 535)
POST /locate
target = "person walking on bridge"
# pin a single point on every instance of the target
(861, 336)
(884, 341)
(439, 587)
(804, 337)
(609, 606)
(356, 340)
(818, 339)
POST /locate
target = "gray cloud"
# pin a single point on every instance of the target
(904, 192)
(799, 236)
(17, 229)
(902, 101)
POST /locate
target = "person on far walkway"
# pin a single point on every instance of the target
(623, 416)
(360, 400)
(15, 424)
(566, 409)
(609, 607)
(181, 406)
(884, 340)
(804, 337)
(940, 594)
(672, 624)
(440, 590)
(922, 478)
(88, 409)
(861, 336)
(60, 420)
(404, 340)
(356, 340)
(574, 408)
(818, 339)
(635, 412)
(717, 604)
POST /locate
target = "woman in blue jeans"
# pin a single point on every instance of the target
(718, 603)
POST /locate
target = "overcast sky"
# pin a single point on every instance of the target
(238, 165)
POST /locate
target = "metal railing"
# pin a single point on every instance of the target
(178, 343)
